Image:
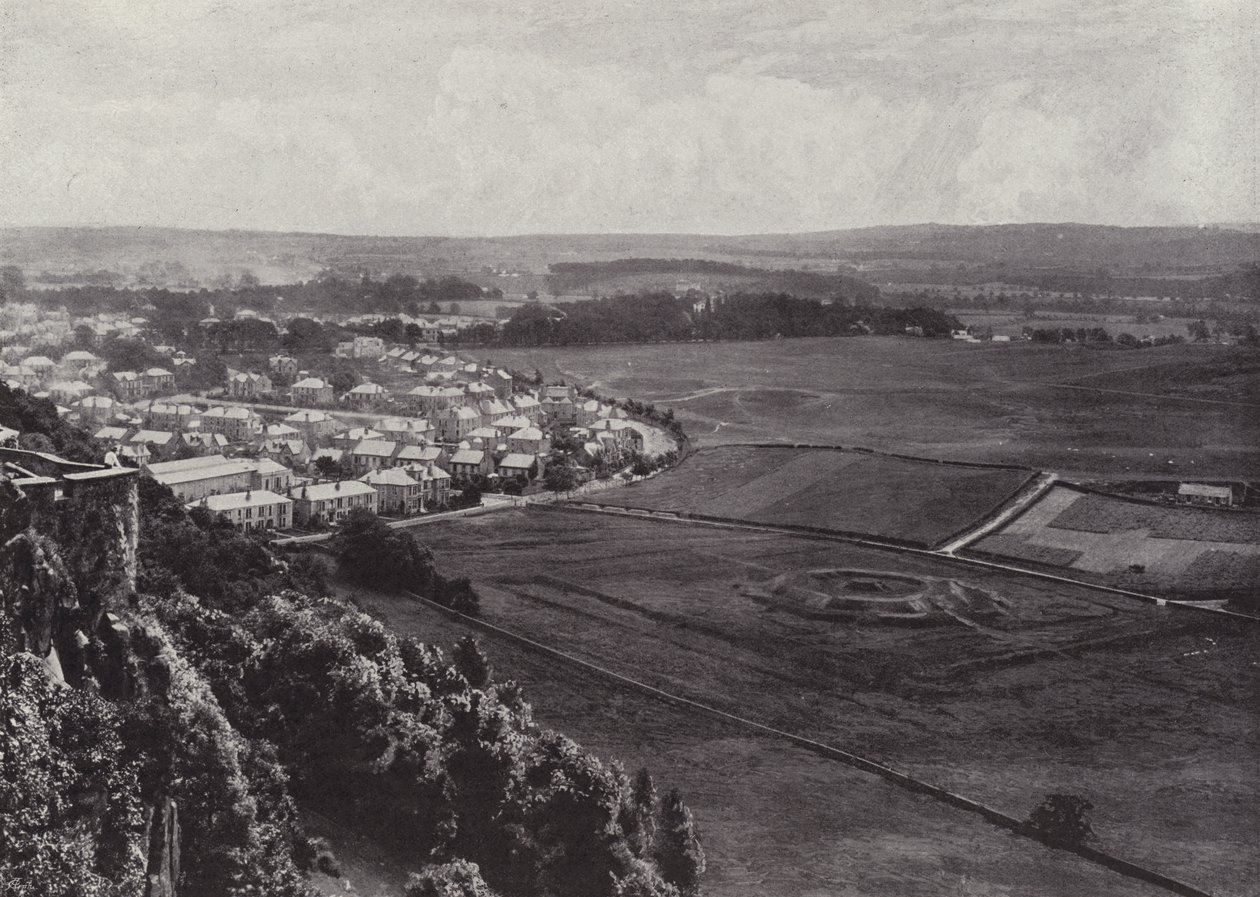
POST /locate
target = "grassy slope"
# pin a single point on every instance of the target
(844, 491)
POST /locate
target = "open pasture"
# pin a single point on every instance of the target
(1148, 712)
(918, 502)
(1178, 551)
(1015, 403)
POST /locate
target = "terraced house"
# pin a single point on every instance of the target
(329, 503)
(250, 511)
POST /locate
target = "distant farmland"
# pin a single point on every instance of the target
(860, 493)
(1190, 552)
(1173, 411)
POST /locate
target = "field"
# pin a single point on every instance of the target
(853, 492)
(1004, 323)
(1147, 712)
(1186, 552)
(1173, 411)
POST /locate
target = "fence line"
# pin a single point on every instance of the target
(887, 773)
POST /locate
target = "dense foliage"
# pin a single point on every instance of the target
(661, 317)
(569, 276)
(41, 428)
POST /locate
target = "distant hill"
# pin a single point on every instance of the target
(172, 257)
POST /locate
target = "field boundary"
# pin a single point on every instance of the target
(863, 450)
(586, 507)
(887, 773)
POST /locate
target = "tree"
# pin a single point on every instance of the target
(560, 478)
(679, 854)
(1198, 330)
(638, 816)
(327, 466)
(1128, 341)
(343, 381)
(471, 662)
(1062, 819)
(372, 554)
(459, 878)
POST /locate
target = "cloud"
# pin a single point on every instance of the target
(514, 118)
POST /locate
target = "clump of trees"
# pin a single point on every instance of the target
(1063, 820)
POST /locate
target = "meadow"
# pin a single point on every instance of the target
(918, 502)
(1175, 551)
(1146, 712)
(1180, 411)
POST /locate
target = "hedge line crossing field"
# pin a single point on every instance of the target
(920, 502)
(1192, 552)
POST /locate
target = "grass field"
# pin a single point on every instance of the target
(852, 492)
(1075, 409)
(1148, 713)
(1189, 552)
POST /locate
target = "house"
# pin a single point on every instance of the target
(435, 484)
(454, 424)
(372, 454)
(494, 410)
(409, 430)
(348, 439)
(289, 452)
(528, 406)
(237, 424)
(313, 391)
(284, 365)
(315, 426)
(129, 386)
(79, 358)
(249, 511)
(269, 474)
(366, 394)
(422, 454)
(194, 478)
(529, 441)
(362, 347)
(466, 464)
(329, 503)
(500, 381)
(40, 364)
(1204, 494)
(169, 415)
(69, 391)
(428, 400)
(161, 443)
(242, 385)
(397, 493)
(205, 443)
(559, 403)
(96, 409)
(159, 380)
(520, 466)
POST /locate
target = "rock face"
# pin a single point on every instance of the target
(67, 576)
(67, 562)
(163, 869)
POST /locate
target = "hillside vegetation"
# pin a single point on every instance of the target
(223, 687)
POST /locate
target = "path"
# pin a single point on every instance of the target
(1026, 497)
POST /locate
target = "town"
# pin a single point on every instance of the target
(275, 446)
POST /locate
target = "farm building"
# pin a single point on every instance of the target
(1204, 494)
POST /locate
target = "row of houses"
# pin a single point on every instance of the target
(257, 494)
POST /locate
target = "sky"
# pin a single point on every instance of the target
(482, 117)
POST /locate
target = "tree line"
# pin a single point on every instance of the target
(662, 317)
